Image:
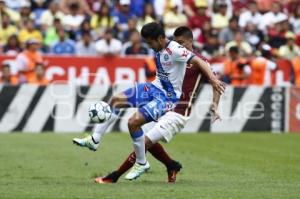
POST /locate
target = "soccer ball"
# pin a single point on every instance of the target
(99, 112)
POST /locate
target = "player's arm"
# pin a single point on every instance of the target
(205, 69)
(214, 106)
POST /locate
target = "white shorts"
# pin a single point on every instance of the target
(166, 127)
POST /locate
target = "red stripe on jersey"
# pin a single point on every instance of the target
(190, 88)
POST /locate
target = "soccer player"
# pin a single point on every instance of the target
(173, 121)
(152, 99)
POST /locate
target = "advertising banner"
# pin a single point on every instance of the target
(64, 108)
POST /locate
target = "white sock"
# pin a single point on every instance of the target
(101, 128)
(139, 147)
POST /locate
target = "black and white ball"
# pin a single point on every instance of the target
(99, 112)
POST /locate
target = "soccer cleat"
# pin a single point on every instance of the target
(137, 170)
(110, 178)
(86, 142)
(173, 168)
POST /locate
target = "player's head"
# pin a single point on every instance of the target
(184, 36)
(154, 35)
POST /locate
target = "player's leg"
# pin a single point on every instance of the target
(122, 100)
(138, 139)
(117, 101)
(164, 130)
(149, 112)
(156, 150)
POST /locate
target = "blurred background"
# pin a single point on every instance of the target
(252, 45)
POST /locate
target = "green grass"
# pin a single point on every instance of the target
(215, 166)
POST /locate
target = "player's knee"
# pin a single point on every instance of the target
(115, 101)
(148, 143)
(134, 124)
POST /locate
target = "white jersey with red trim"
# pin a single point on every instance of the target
(171, 65)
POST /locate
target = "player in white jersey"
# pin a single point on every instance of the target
(152, 99)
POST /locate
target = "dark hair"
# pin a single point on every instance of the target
(5, 65)
(232, 19)
(183, 31)
(152, 14)
(74, 6)
(152, 31)
(234, 49)
(101, 15)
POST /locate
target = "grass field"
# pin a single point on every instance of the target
(215, 166)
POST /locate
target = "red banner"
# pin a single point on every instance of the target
(294, 121)
(108, 70)
(90, 70)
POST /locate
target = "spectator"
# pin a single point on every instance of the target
(190, 7)
(250, 16)
(265, 6)
(243, 46)
(132, 24)
(123, 15)
(200, 16)
(295, 23)
(276, 33)
(39, 78)
(102, 20)
(83, 7)
(29, 32)
(13, 47)
(40, 4)
(26, 61)
(290, 50)
(51, 35)
(38, 9)
(6, 29)
(203, 35)
(291, 6)
(25, 13)
(108, 45)
(64, 46)
(6, 76)
(14, 5)
(73, 20)
(220, 19)
(227, 34)
(172, 19)
(53, 12)
(13, 15)
(86, 27)
(147, 17)
(211, 47)
(253, 36)
(262, 67)
(236, 69)
(272, 17)
(138, 7)
(136, 47)
(86, 46)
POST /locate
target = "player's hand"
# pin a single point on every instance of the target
(218, 86)
(214, 113)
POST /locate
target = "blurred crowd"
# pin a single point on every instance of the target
(248, 35)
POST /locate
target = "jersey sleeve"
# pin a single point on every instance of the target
(181, 54)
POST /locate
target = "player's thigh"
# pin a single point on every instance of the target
(156, 108)
(139, 95)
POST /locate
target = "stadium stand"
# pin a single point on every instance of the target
(109, 27)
